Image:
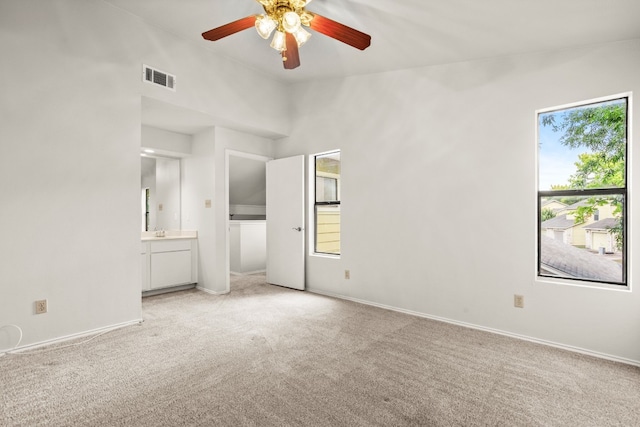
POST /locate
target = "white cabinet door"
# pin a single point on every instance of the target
(145, 272)
(144, 265)
(170, 269)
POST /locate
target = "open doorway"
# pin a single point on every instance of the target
(245, 214)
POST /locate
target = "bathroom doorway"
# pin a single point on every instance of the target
(245, 213)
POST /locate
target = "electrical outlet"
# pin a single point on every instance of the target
(518, 301)
(347, 274)
(41, 306)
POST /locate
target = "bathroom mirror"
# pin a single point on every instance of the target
(160, 193)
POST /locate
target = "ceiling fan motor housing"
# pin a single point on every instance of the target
(276, 9)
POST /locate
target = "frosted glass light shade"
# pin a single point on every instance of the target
(265, 26)
(291, 22)
(279, 41)
(301, 36)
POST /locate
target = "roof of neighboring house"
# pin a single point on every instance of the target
(603, 224)
(578, 263)
(576, 205)
(559, 221)
(550, 201)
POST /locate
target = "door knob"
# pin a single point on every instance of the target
(297, 228)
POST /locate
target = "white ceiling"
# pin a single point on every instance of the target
(405, 33)
(247, 181)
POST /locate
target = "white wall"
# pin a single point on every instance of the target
(69, 174)
(198, 186)
(434, 161)
(247, 182)
(203, 178)
(165, 142)
(70, 128)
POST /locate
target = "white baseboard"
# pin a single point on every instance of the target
(209, 291)
(71, 337)
(485, 329)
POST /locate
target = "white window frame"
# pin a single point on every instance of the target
(627, 287)
(311, 228)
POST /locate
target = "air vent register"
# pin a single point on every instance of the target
(155, 76)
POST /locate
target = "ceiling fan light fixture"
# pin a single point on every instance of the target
(291, 22)
(284, 20)
(279, 41)
(298, 4)
(301, 36)
(265, 26)
(305, 18)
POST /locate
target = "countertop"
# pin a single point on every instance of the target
(148, 236)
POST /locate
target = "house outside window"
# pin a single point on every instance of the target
(327, 203)
(582, 192)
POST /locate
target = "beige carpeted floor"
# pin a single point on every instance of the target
(269, 356)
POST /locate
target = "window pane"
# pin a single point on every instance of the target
(328, 229)
(327, 203)
(582, 237)
(328, 177)
(326, 189)
(583, 147)
(582, 188)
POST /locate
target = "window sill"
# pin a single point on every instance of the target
(321, 255)
(582, 284)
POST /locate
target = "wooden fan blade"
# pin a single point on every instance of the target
(291, 56)
(230, 28)
(340, 32)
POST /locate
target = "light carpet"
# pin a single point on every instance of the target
(269, 356)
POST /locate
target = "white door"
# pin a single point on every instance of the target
(285, 222)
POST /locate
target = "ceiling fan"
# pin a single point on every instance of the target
(287, 17)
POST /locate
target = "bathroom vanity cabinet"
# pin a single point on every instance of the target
(169, 262)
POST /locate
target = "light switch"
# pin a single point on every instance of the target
(159, 206)
(207, 203)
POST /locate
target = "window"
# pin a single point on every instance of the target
(327, 203)
(582, 192)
